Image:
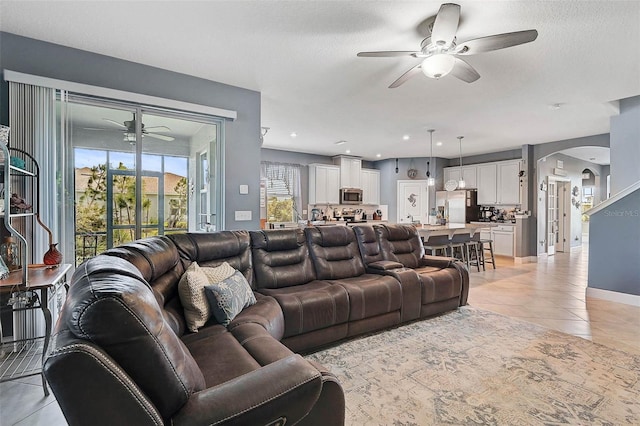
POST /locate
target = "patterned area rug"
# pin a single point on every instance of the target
(474, 367)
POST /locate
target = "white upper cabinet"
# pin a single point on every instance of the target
(469, 174)
(324, 184)
(350, 168)
(509, 182)
(370, 180)
(487, 183)
(497, 182)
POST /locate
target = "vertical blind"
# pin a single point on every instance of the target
(32, 118)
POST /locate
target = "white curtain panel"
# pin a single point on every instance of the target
(287, 178)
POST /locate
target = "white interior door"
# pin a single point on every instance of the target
(552, 217)
(563, 211)
(413, 201)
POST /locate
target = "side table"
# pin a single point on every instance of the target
(23, 356)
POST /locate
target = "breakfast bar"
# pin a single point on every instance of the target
(464, 230)
(461, 237)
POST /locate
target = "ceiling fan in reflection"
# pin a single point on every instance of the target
(129, 127)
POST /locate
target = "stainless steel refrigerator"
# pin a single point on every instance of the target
(461, 206)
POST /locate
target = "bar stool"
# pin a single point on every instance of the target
(484, 246)
(458, 246)
(442, 248)
(474, 256)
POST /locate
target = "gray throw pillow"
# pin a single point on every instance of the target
(229, 297)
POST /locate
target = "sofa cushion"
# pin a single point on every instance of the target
(212, 249)
(228, 297)
(439, 284)
(400, 243)
(219, 355)
(280, 258)
(371, 295)
(335, 252)
(311, 306)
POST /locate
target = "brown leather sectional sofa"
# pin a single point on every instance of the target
(121, 352)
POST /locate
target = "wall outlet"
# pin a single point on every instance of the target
(242, 215)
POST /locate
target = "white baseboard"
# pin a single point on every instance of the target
(614, 296)
(576, 248)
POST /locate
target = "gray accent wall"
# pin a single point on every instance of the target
(389, 179)
(625, 145)
(242, 145)
(614, 246)
(614, 232)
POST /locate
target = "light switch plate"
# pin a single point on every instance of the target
(243, 215)
(244, 189)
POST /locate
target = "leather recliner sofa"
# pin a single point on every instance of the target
(121, 352)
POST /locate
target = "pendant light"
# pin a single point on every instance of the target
(431, 180)
(461, 183)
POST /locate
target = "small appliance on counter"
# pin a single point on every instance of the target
(486, 213)
(377, 215)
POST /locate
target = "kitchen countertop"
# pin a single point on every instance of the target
(452, 229)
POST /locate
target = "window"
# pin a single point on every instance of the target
(283, 201)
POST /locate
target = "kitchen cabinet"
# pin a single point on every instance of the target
(504, 240)
(487, 184)
(350, 171)
(508, 182)
(324, 184)
(499, 183)
(370, 180)
(469, 174)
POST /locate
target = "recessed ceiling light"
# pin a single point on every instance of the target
(555, 107)
(348, 151)
(592, 158)
(406, 137)
(378, 155)
(438, 143)
(294, 134)
(341, 142)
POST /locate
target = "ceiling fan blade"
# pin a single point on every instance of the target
(161, 137)
(406, 76)
(387, 54)
(115, 122)
(464, 71)
(446, 24)
(158, 128)
(495, 42)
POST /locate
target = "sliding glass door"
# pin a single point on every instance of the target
(135, 173)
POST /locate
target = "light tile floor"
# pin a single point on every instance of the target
(550, 293)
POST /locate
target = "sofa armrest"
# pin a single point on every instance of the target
(287, 389)
(436, 261)
(384, 265)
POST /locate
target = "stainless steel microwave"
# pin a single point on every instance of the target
(350, 196)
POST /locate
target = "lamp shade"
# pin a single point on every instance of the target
(438, 65)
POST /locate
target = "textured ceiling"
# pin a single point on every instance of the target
(301, 55)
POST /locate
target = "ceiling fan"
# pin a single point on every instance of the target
(129, 127)
(440, 49)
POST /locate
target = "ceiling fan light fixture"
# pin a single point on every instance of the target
(438, 65)
(130, 138)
